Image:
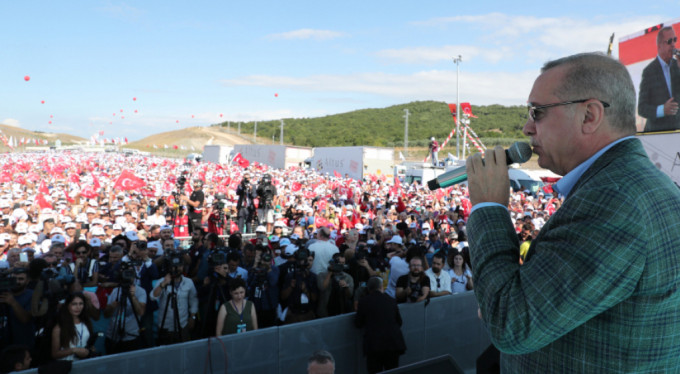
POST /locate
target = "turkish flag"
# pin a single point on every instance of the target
(42, 203)
(337, 175)
(320, 222)
(242, 162)
(74, 178)
(295, 187)
(88, 192)
(20, 179)
(128, 181)
(95, 183)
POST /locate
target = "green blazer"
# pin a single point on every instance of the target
(599, 291)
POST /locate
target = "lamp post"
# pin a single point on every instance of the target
(406, 114)
(458, 111)
(281, 139)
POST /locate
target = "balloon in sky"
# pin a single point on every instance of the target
(220, 115)
(122, 117)
(135, 110)
(114, 114)
(42, 102)
(27, 78)
(177, 121)
(51, 116)
(50, 122)
(134, 99)
(192, 116)
(276, 95)
(121, 110)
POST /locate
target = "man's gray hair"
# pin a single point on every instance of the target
(321, 357)
(597, 76)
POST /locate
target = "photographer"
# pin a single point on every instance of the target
(336, 288)
(16, 325)
(362, 266)
(145, 272)
(266, 192)
(195, 203)
(262, 289)
(245, 207)
(213, 292)
(217, 218)
(414, 286)
(126, 304)
(177, 303)
(300, 290)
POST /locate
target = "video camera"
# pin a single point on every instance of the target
(7, 281)
(55, 283)
(126, 274)
(173, 262)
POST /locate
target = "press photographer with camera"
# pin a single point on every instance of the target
(145, 272)
(263, 289)
(336, 288)
(73, 336)
(213, 291)
(244, 206)
(177, 302)
(266, 193)
(300, 290)
(414, 286)
(126, 305)
(217, 219)
(195, 203)
(16, 321)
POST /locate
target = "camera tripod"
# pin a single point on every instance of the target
(120, 316)
(216, 298)
(175, 336)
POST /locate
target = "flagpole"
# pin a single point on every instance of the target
(457, 62)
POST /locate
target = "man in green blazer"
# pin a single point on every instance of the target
(599, 290)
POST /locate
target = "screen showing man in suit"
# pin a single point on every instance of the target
(660, 86)
(599, 289)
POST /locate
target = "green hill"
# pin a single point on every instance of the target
(385, 127)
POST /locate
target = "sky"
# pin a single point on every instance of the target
(203, 62)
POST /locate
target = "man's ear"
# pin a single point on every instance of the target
(593, 116)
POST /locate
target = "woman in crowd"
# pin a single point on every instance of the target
(238, 314)
(73, 336)
(461, 277)
(85, 268)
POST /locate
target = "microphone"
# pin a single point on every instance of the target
(519, 152)
(676, 52)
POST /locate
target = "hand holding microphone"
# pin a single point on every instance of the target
(518, 152)
(488, 180)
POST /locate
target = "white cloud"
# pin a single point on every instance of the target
(11, 122)
(306, 34)
(479, 88)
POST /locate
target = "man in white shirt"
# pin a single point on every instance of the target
(323, 250)
(440, 281)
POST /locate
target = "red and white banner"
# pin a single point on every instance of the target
(128, 181)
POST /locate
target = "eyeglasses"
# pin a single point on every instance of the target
(672, 40)
(533, 110)
(81, 252)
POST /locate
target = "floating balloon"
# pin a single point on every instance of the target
(192, 116)
(220, 115)
(42, 102)
(50, 122)
(122, 117)
(177, 121)
(27, 78)
(114, 114)
(135, 110)
(276, 95)
(134, 99)
(121, 110)
(51, 116)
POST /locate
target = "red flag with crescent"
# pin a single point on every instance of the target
(128, 181)
(42, 203)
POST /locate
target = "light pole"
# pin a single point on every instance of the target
(458, 111)
(255, 132)
(281, 139)
(406, 114)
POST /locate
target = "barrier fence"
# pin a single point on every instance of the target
(447, 325)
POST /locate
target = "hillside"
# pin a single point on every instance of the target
(495, 124)
(18, 133)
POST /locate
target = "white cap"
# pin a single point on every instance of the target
(396, 239)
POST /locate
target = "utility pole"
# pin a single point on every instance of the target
(239, 128)
(458, 111)
(281, 139)
(406, 114)
(255, 133)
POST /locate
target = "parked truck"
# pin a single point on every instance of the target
(354, 162)
(276, 156)
(219, 154)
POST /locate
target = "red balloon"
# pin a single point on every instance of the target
(114, 114)
(220, 115)
(122, 117)
(177, 121)
(51, 116)
(42, 102)
(135, 110)
(134, 99)
(192, 116)
(121, 110)
(27, 78)
(50, 122)
(276, 95)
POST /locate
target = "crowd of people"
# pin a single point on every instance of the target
(152, 251)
